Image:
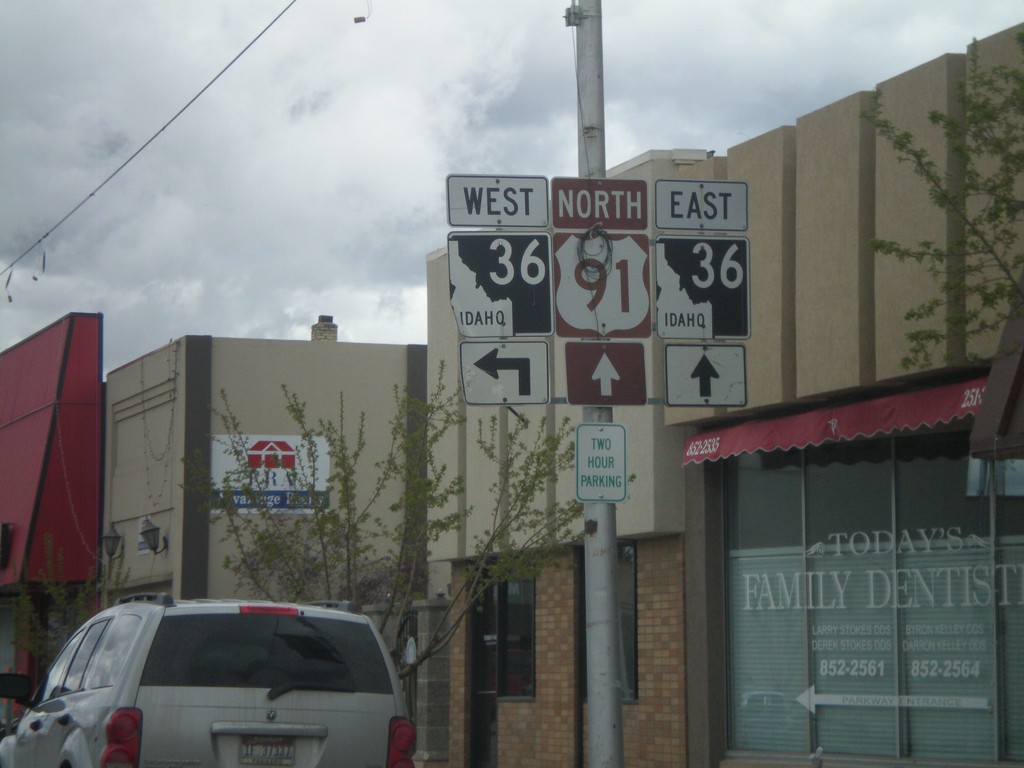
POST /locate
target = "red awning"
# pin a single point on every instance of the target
(907, 410)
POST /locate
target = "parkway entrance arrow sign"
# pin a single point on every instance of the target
(812, 699)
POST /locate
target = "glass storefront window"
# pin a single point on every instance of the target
(1009, 559)
(849, 489)
(942, 594)
(871, 610)
(767, 661)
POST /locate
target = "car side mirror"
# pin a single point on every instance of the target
(15, 686)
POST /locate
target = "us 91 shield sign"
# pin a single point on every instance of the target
(500, 283)
(603, 286)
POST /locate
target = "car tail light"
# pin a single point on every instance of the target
(273, 610)
(124, 739)
(401, 743)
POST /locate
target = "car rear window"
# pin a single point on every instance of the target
(266, 651)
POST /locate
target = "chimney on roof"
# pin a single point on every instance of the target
(325, 329)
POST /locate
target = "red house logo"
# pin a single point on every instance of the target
(271, 454)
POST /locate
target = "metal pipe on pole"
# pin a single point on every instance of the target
(590, 88)
(600, 540)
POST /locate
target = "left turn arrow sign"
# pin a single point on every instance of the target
(505, 372)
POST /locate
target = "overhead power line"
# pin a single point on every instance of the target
(9, 269)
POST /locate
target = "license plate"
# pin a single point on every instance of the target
(267, 750)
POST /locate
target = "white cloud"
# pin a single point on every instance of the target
(309, 179)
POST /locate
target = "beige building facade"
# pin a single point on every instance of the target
(162, 420)
(164, 433)
(785, 582)
(819, 568)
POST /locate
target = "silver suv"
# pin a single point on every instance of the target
(152, 682)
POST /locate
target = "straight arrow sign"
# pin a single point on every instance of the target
(704, 373)
(605, 373)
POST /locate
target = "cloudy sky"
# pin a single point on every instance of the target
(310, 177)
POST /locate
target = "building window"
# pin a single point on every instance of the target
(506, 638)
(627, 618)
(516, 624)
(874, 599)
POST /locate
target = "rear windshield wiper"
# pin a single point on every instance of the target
(280, 690)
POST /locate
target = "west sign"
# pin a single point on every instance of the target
(498, 201)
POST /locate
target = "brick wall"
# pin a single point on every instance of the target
(458, 734)
(544, 731)
(654, 728)
(549, 731)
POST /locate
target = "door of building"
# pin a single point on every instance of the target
(483, 726)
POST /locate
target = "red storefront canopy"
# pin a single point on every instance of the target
(907, 410)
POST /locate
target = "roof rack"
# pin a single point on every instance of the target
(341, 605)
(147, 597)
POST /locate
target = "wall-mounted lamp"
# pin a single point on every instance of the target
(112, 541)
(151, 537)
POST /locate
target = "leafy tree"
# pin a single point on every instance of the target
(979, 271)
(341, 545)
(527, 528)
(47, 608)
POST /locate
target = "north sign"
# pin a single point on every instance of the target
(605, 373)
(505, 372)
(706, 206)
(705, 374)
(500, 283)
(703, 287)
(610, 204)
(603, 286)
(601, 463)
(498, 201)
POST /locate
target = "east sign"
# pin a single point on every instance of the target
(711, 206)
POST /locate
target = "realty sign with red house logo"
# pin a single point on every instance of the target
(284, 472)
(271, 454)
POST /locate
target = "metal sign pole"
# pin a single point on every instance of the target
(604, 684)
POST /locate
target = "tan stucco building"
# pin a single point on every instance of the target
(842, 471)
(162, 417)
